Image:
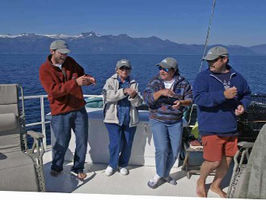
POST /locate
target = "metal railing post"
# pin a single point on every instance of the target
(43, 120)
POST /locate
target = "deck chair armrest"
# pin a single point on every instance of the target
(36, 153)
(37, 149)
(244, 144)
(35, 135)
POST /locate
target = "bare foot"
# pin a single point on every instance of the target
(218, 191)
(81, 176)
(201, 191)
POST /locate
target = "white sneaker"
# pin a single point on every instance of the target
(124, 171)
(109, 171)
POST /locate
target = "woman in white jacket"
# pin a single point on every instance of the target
(121, 98)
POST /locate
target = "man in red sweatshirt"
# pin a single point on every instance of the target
(62, 77)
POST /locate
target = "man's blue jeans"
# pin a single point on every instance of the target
(167, 140)
(62, 125)
(120, 144)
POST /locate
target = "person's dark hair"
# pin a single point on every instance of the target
(176, 72)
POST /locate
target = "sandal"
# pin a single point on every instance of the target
(170, 180)
(155, 183)
(80, 175)
(54, 173)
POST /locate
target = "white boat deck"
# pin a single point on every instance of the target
(133, 184)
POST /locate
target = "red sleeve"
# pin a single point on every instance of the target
(78, 68)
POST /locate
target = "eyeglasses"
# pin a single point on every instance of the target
(125, 68)
(164, 69)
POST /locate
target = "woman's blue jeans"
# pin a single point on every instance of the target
(62, 125)
(167, 140)
(120, 144)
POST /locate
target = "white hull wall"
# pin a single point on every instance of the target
(143, 150)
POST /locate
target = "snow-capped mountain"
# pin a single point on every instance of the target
(92, 43)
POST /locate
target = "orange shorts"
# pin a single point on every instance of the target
(215, 147)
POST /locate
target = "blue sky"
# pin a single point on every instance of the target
(241, 22)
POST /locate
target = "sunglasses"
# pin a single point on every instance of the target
(215, 60)
(164, 69)
(125, 68)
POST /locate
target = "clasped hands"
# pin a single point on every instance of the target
(231, 93)
(170, 93)
(85, 80)
(130, 91)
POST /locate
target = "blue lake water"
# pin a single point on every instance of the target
(24, 70)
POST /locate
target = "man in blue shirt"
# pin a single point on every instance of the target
(221, 94)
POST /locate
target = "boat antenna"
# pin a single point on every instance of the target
(208, 34)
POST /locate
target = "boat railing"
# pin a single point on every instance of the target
(259, 98)
(43, 121)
